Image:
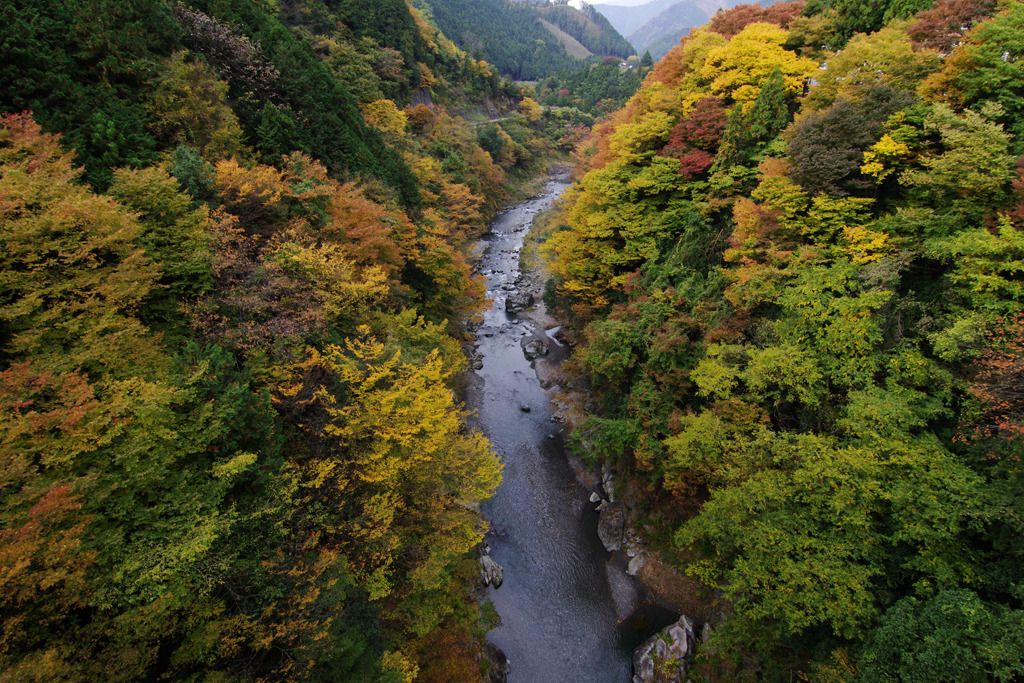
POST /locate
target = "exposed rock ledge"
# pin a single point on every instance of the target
(662, 657)
(498, 667)
(491, 572)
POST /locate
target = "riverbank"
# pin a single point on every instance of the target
(668, 586)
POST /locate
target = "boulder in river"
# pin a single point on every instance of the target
(662, 657)
(535, 349)
(491, 572)
(516, 302)
(636, 564)
(498, 667)
(611, 525)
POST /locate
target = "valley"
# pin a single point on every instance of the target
(467, 340)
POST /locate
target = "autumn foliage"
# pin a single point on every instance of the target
(140, 468)
(209, 458)
(234, 291)
(799, 291)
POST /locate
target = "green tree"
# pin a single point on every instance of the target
(276, 131)
(988, 67)
(174, 237)
(193, 173)
(971, 175)
(851, 16)
(770, 111)
(809, 541)
(902, 9)
(952, 635)
(749, 132)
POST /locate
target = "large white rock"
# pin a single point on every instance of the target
(491, 572)
(636, 564)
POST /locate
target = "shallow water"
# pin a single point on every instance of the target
(568, 610)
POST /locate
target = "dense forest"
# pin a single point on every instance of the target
(589, 27)
(232, 295)
(235, 292)
(598, 89)
(797, 258)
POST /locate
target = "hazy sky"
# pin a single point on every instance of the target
(629, 3)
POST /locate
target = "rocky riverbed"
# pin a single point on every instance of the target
(569, 608)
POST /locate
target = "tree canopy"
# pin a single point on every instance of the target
(796, 269)
(232, 301)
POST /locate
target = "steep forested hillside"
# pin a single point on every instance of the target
(510, 35)
(588, 26)
(597, 89)
(82, 70)
(797, 253)
(231, 295)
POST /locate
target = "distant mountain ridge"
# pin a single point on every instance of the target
(512, 37)
(656, 26)
(627, 19)
(661, 33)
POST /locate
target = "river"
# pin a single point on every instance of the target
(568, 610)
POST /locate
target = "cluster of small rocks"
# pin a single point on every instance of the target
(662, 657)
(612, 526)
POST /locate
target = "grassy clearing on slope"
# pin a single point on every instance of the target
(572, 46)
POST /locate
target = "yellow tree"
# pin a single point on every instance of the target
(619, 217)
(883, 58)
(71, 275)
(410, 476)
(737, 70)
(530, 109)
(692, 55)
(384, 115)
(190, 106)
